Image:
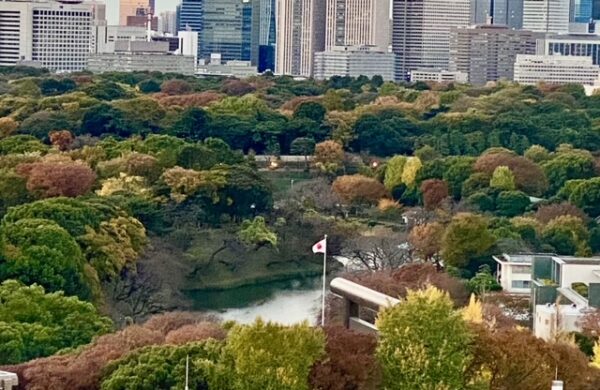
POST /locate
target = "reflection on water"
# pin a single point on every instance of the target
(285, 302)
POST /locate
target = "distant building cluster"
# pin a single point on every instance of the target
(474, 41)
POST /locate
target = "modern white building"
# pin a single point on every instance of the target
(188, 43)
(358, 23)
(547, 16)
(354, 61)
(570, 45)
(563, 289)
(555, 69)
(138, 56)
(421, 30)
(58, 35)
(300, 26)
(514, 273)
(438, 76)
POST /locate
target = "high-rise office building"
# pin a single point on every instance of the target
(130, 8)
(488, 52)
(227, 29)
(357, 23)
(581, 11)
(354, 62)
(596, 9)
(300, 34)
(263, 34)
(190, 15)
(547, 16)
(499, 12)
(56, 35)
(420, 32)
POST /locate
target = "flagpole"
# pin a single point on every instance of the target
(324, 283)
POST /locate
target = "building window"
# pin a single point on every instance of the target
(521, 284)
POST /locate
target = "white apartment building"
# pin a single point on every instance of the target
(354, 61)
(421, 30)
(300, 28)
(555, 69)
(438, 76)
(547, 16)
(58, 35)
(358, 23)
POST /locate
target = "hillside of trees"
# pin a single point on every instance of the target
(121, 192)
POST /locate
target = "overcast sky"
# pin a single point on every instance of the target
(112, 8)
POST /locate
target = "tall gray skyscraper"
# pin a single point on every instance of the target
(499, 12)
(300, 34)
(421, 29)
(547, 16)
(357, 23)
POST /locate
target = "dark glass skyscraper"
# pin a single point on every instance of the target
(227, 29)
(263, 34)
(500, 12)
(190, 14)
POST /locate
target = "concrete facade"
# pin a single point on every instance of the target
(488, 52)
(555, 69)
(357, 23)
(354, 62)
(421, 30)
(547, 16)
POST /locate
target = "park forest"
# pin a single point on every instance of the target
(120, 193)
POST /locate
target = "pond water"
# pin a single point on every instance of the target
(286, 302)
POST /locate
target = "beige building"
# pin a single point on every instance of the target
(358, 23)
(300, 34)
(129, 8)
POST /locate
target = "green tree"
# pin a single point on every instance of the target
(311, 110)
(303, 146)
(568, 235)
(149, 86)
(568, 166)
(423, 343)
(503, 179)
(512, 203)
(272, 356)
(467, 237)
(35, 324)
(393, 172)
(586, 196)
(257, 233)
(40, 251)
(163, 367)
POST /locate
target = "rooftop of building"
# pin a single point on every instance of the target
(527, 258)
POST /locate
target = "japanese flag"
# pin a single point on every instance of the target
(320, 247)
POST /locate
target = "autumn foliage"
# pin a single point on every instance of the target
(83, 369)
(350, 361)
(529, 177)
(57, 178)
(358, 189)
(434, 192)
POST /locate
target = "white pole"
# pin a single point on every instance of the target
(324, 283)
(187, 372)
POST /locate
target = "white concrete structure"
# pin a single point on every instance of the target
(514, 273)
(300, 34)
(57, 35)
(357, 23)
(131, 56)
(354, 62)
(556, 69)
(551, 319)
(188, 44)
(216, 67)
(8, 380)
(547, 16)
(421, 30)
(570, 45)
(438, 76)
